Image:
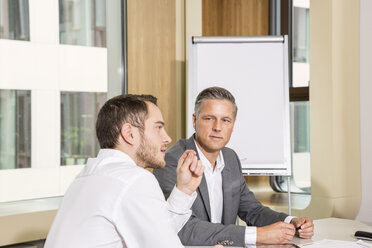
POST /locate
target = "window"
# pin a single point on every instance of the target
(15, 129)
(301, 34)
(301, 66)
(300, 130)
(49, 97)
(301, 146)
(299, 106)
(82, 22)
(79, 112)
(14, 20)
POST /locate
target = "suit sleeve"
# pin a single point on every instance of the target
(196, 231)
(251, 210)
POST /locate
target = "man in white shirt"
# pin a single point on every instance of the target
(115, 201)
(223, 194)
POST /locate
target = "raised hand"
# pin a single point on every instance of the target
(277, 233)
(189, 172)
(304, 227)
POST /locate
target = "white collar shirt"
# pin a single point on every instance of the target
(213, 178)
(115, 203)
(215, 193)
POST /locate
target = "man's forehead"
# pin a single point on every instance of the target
(154, 115)
(217, 103)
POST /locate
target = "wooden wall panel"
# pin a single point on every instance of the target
(156, 62)
(235, 17)
(152, 55)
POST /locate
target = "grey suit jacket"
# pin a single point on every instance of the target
(238, 200)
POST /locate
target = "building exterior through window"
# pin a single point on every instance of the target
(53, 81)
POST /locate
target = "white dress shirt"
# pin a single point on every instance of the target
(213, 178)
(115, 203)
(215, 193)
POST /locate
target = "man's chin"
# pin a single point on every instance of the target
(213, 148)
(162, 164)
(156, 165)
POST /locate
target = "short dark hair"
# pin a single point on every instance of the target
(214, 93)
(115, 112)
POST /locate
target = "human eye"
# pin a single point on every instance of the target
(159, 126)
(226, 120)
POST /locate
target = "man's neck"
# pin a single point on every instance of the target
(131, 153)
(210, 155)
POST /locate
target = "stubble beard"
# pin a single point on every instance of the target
(146, 154)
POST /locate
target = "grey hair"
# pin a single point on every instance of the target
(214, 93)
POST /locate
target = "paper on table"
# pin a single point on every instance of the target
(329, 243)
(364, 243)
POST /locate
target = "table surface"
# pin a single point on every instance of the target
(329, 228)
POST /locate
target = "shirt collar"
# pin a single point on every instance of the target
(220, 162)
(115, 155)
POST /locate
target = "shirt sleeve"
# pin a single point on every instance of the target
(142, 217)
(179, 207)
(250, 235)
(288, 219)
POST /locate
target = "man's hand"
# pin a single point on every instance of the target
(277, 233)
(189, 172)
(304, 227)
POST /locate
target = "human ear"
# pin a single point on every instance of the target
(126, 132)
(194, 120)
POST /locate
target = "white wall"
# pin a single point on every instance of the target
(365, 213)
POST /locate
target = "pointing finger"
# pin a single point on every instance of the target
(181, 160)
(194, 163)
(200, 168)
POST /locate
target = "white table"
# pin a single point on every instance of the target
(329, 228)
(334, 228)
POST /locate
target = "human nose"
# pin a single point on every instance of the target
(166, 138)
(217, 126)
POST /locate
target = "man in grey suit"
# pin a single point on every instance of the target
(223, 194)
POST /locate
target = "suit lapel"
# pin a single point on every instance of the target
(203, 188)
(227, 192)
